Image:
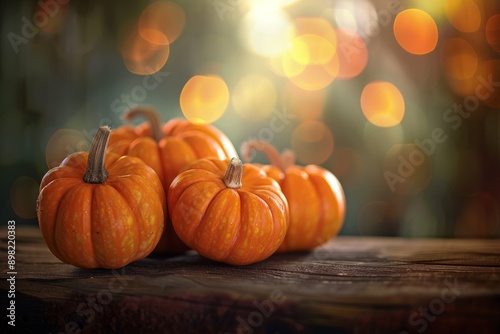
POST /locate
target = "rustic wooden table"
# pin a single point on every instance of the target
(351, 285)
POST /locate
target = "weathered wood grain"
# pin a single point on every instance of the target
(351, 285)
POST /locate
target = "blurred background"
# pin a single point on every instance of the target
(399, 99)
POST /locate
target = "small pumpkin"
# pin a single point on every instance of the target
(315, 197)
(99, 210)
(168, 149)
(228, 213)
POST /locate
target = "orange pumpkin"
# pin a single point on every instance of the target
(167, 150)
(99, 210)
(315, 197)
(227, 213)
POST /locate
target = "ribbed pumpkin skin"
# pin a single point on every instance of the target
(316, 202)
(105, 225)
(237, 226)
(183, 142)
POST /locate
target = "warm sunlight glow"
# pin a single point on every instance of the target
(254, 97)
(459, 58)
(204, 99)
(464, 15)
(382, 104)
(416, 31)
(352, 54)
(161, 22)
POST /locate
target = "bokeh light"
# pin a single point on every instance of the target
(315, 77)
(63, 143)
(492, 32)
(462, 87)
(357, 16)
(459, 58)
(345, 19)
(310, 60)
(315, 26)
(407, 169)
(161, 22)
(266, 31)
(312, 142)
(304, 104)
(143, 57)
(464, 15)
(23, 195)
(272, 4)
(204, 98)
(382, 104)
(352, 54)
(146, 47)
(254, 97)
(415, 31)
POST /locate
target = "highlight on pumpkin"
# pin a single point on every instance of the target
(382, 103)
(204, 98)
(415, 31)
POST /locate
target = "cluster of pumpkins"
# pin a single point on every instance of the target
(165, 189)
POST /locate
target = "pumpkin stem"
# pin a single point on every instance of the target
(281, 161)
(96, 172)
(234, 173)
(152, 117)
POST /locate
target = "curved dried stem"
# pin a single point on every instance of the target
(281, 161)
(234, 173)
(96, 171)
(151, 116)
